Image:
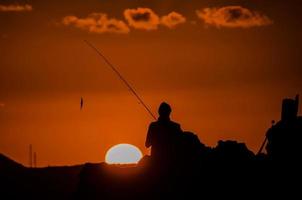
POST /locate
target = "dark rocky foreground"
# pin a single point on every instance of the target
(190, 170)
(113, 182)
(148, 180)
(19, 182)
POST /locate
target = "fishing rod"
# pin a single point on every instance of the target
(265, 139)
(262, 146)
(121, 78)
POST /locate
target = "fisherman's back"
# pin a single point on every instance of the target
(162, 136)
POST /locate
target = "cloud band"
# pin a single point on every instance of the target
(233, 17)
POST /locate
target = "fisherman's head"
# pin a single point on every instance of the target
(164, 110)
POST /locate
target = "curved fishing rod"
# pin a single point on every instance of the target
(121, 78)
(262, 146)
(265, 139)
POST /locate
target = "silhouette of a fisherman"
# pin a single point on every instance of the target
(162, 135)
(283, 137)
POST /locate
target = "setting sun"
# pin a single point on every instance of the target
(123, 154)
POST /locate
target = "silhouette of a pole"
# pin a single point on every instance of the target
(265, 140)
(30, 156)
(121, 78)
(262, 146)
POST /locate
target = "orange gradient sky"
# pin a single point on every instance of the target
(224, 66)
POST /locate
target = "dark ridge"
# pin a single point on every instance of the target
(17, 181)
(7, 163)
(180, 167)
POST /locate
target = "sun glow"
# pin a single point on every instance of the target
(123, 154)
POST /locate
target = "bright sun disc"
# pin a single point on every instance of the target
(123, 154)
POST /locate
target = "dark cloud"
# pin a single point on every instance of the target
(233, 17)
(97, 23)
(173, 19)
(142, 18)
(15, 8)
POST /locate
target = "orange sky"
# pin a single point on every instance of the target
(224, 66)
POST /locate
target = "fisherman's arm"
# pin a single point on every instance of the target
(148, 139)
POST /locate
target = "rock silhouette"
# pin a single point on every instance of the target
(19, 182)
(180, 167)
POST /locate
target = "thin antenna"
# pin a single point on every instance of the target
(30, 156)
(121, 78)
